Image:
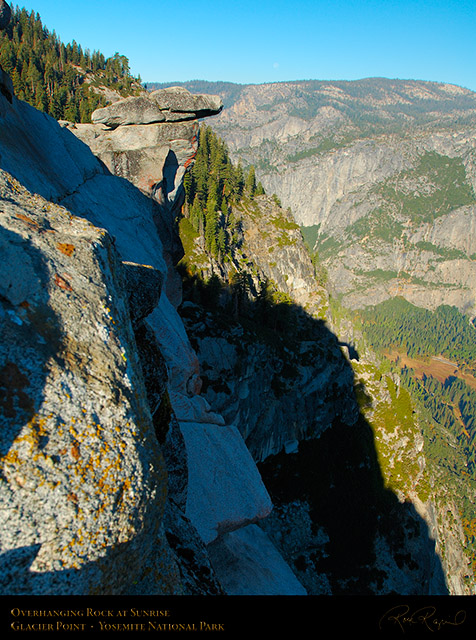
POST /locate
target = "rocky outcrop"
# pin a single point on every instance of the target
(278, 386)
(151, 141)
(83, 491)
(104, 430)
(165, 105)
(335, 151)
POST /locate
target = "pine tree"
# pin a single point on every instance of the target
(50, 75)
(250, 182)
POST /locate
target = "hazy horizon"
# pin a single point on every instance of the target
(280, 41)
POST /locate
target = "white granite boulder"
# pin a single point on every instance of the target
(83, 479)
(225, 489)
(248, 564)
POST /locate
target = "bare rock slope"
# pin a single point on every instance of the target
(104, 429)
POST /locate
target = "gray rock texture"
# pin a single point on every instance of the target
(276, 397)
(83, 478)
(131, 110)
(330, 150)
(179, 100)
(103, 425)
(243, 560)
(169, 105)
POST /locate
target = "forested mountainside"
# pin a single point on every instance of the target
(242, 312)
(379, 173)
(187, 406)
(409, 235)
(63, 80)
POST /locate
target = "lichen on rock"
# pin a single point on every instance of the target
(84, 481)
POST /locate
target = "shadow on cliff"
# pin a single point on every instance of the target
(32, 341)
(337, 474)
(31, 335)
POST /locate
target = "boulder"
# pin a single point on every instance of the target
(83, 478)
(179, 100)
(225, 490)
(165, 105)
(133, 110)
(247, 563)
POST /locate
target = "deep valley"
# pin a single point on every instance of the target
(237, 322)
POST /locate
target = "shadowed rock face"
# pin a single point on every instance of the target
(5, 14)
(83, 489)
(99, 385)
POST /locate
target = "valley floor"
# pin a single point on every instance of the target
(437, 367)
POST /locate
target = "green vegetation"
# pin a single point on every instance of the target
(217, 195)
(452, 407)
(444, 410)
(281, 222)
(56, 78)
(446, 253)
(381, 275)
(327, 246)
(329, 143)
(212, 187)
(378, 224)
(310, 236)
(441, 185)
(434, 187)
(394, 426)
(448, 417)
(398, 324)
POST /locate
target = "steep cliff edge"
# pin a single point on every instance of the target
(106, 360)
(112, 384)
(269, 363)
(275, 368)
(381, 173)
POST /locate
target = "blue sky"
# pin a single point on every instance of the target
(253, 41)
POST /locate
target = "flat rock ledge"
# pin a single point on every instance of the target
(174, 104)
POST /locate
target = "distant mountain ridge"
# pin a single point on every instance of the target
(385, 99)
(381, 173)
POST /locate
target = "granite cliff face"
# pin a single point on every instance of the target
(109, 452)
(441, 181)
(136, 427)
(279, 386)
(369, 167)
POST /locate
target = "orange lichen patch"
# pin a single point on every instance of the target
(31, 223)
(62, 283)
(31, 434)
(67, 249)
(75, 452)
(12, 458)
